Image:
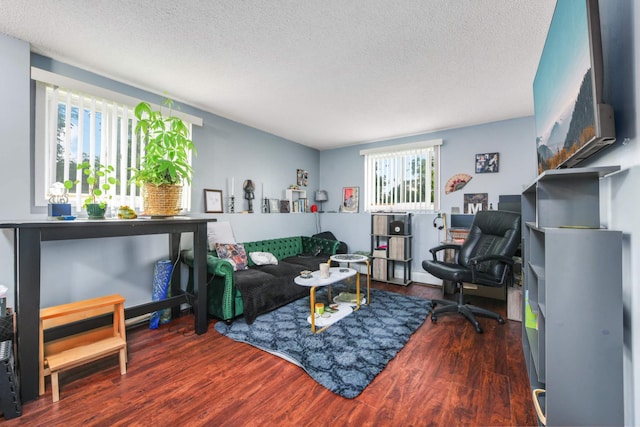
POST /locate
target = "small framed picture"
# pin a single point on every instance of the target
(213, 201)
(302, 178)
(274, 205)
(284, 206)
(350, 199)
(487, 162)
(474, 202)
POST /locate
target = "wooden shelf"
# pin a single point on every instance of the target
(391, 246)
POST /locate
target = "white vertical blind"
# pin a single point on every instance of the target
(400, 177)
(96, 130)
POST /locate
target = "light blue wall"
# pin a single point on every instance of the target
(228, 149)
(14, 131)
(620, 44)
(74, 270)
(513, 139)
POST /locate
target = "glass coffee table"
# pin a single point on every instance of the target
(336, 274)
(350, 258)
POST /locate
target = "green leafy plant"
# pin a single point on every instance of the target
(166, 157)
(99, 179)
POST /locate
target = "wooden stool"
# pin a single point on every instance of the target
(79, 349)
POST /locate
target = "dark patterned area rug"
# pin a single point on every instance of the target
(348, 355)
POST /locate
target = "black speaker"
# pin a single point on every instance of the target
(396, 227)
(10, 404)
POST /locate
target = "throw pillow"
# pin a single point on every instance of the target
(219, 232)
(263, 258)
(234, 253)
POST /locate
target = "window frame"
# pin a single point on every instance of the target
(401, 151)
(45, 161)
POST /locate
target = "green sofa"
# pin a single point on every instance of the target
(260, 288)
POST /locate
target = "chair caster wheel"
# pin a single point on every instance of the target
(434, 318)
(479, 330)
(501, 321)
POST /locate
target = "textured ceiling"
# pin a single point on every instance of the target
(325, 73)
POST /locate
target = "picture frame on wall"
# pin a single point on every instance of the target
(474, 202)
(302, 178)
(213, 201)
(284, 206)
(350, 199)
(488, 163)
(274, 206)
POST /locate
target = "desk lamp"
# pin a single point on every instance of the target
(321, 196)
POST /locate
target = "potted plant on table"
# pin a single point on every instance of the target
(165, 164)
(99, 179)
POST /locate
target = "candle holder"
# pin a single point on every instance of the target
(232, 204)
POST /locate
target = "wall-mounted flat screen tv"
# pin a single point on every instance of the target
(572, 123)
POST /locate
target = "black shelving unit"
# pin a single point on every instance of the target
(391, 247)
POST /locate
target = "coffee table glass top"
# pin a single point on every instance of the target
(336, 274)
(349, 258)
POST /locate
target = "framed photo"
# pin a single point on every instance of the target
(487, 162)
(284, 206)
(350, 199)
(302, 178)
(474, 202)
(274, 205)
(213, 201)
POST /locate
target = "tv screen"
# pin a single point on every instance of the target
(571, 121)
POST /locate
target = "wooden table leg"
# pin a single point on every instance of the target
(312, 298)
(368, 281)
(357, 291)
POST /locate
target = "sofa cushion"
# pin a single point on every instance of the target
(284, 270)
(307, 262)
(234, 253)
(262, 291)
(281, 248)
(263, 258)
(219, 232)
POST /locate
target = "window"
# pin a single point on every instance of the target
(73, 126)
(402, 177)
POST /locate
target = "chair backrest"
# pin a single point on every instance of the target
(491, 233)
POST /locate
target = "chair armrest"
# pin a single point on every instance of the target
(434, 251)
(505, 259)
(475, 261)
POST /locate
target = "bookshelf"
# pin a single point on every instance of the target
(391, 247)
(298, 202)
(572, 306)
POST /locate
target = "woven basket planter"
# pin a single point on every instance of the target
(162, 200)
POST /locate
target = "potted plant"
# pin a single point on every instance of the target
(165, 164)
(99, 180)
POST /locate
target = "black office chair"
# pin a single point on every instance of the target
(485, 258)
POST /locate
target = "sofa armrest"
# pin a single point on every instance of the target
(215, 265)
(222, 269)
(328, 247)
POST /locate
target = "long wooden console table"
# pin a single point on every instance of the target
(28, 236)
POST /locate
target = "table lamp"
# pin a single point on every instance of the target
(321, 196)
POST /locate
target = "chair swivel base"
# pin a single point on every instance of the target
(467, 310)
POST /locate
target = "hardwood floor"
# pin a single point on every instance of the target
(446, 375)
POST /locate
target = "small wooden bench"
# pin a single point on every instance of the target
(78, 349)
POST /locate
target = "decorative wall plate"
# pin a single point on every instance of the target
(456, 182)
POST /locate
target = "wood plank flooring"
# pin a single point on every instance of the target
(446, 375)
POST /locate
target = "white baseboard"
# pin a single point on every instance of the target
(424, 277)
